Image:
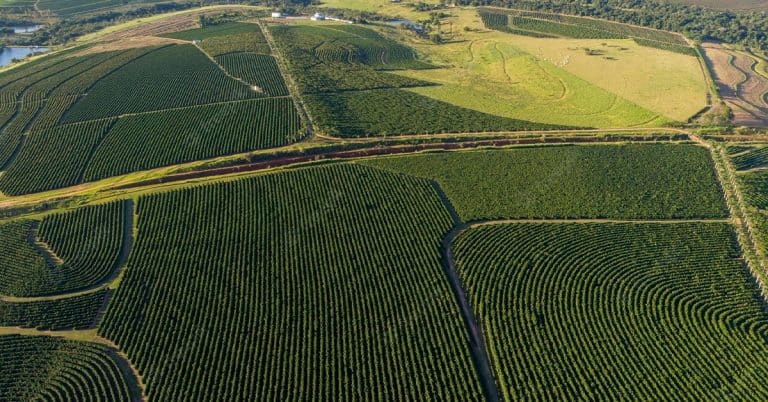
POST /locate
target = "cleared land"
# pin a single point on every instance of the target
(566, 81)
(616, 311)
(742, 88)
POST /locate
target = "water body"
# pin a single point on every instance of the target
(407, 23)
(7, 54)
(27, 29)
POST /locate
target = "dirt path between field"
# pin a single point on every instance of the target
(293, 89)
(476, 342)
(131, 374)
(737, 206)
(129, 233)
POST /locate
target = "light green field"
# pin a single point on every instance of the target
(384, 7)
(667, 83)
(552, 80)
(556, 81)
(494, 76)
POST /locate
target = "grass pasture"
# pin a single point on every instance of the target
(578, 82)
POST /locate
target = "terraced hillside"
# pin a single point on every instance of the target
(351, 92)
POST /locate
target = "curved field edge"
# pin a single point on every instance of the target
(675, 294)
(331, 226)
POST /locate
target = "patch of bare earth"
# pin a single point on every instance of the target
(741, 88)
(128, 43)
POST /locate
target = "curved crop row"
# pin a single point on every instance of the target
(88, 240)
(78, 312)
(23, 271)
(617, 311)
(755, 158)
(53, 369)
(322, 283)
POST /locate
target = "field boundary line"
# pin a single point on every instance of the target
(750, 247)
(476, 340)
(226, 73)
(118, 267)
(293, 89)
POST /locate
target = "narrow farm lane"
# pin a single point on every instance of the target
(476, 343)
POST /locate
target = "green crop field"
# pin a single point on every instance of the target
(83, 247)
(341, 262)
(171, 77)
(427, 202)
(68, 102)
(620, 182)
(616, 311)
(521, 22)
(70, 371)
(77, 312)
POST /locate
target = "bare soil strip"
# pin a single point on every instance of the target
(476, 342)
(740, 86)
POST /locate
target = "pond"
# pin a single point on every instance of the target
(407, 23)
(7, 54)
(27, 29)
